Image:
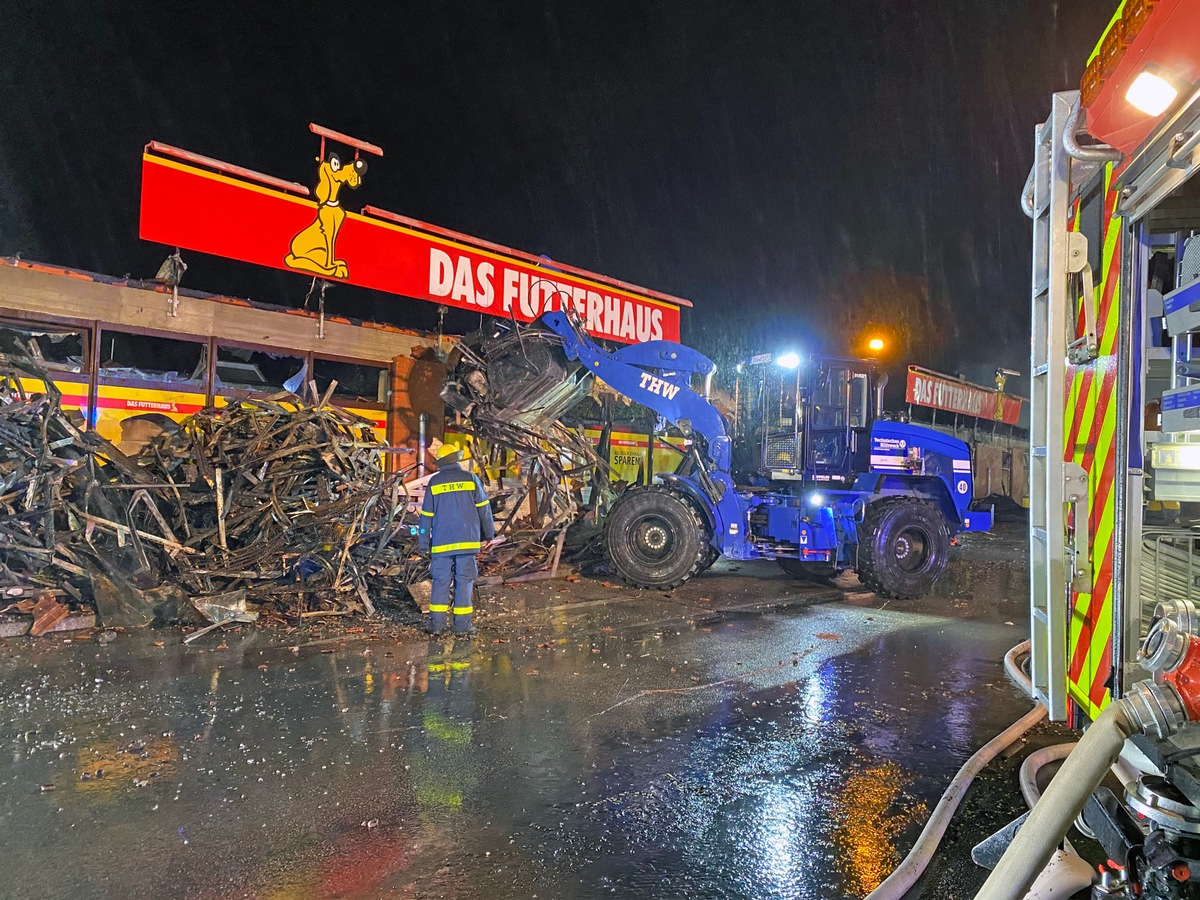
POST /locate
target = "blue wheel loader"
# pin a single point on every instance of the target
(839, 487)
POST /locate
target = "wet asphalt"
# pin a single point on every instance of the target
(744, 736)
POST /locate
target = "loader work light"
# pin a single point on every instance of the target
(788, 360)
(1152, 92)
(875, 344)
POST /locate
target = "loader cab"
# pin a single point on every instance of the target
(837, 403)
(810, 423)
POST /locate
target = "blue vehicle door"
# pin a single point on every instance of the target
(837, 433)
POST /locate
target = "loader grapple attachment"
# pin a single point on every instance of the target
(520, 378)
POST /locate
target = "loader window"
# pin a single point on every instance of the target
(860, 401)
(829, 399)
(835, 404)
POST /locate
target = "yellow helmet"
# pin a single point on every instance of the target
(448, 450)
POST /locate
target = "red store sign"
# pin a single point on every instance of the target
(258, 219)
(949, 394)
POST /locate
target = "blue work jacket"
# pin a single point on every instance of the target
(456, 516)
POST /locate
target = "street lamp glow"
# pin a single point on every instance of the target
(788, 360)
(1151, 93)
(875, 343)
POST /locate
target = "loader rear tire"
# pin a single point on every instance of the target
(903, 547)
(655, 538)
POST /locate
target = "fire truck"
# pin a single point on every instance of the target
(1115, 360)
(1115, 440)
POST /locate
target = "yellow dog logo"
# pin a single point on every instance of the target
(313, 248)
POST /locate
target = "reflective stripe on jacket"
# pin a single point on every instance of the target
(456, 516)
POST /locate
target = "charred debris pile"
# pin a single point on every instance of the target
(276, 507)
(280, 502)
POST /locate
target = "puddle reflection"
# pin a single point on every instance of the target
(465, 770)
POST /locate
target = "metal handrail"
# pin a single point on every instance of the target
(1076, 123)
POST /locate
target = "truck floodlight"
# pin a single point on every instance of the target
(816, 499)
(1152, 91)
(788, 360)
(875, 343)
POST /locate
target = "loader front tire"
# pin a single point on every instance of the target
(655, 538)
(903, 547)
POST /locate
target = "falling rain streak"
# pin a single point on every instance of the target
(798, 169)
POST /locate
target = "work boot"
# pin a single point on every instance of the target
(437, 623)
(463, 625)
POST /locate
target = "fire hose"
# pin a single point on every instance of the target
(1171, 651)
(913, 867)
(1158, 707)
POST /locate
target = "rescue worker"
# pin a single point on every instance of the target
(456, 518)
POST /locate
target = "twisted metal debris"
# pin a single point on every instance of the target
(272, 496)
(511, 393)
(281, 500)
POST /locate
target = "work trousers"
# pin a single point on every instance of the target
(464, 570)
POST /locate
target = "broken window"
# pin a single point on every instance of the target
(356, 382)
(52, 346)
(147, 385)
(259, 372)
(126, 356)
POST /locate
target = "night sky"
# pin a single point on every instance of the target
(770, 161)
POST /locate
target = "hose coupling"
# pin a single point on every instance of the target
(1165, 642)
(1171, 654)
(1181, 611)
(1165, 646)
(1155, 709)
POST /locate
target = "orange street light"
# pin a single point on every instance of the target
(875, 344)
